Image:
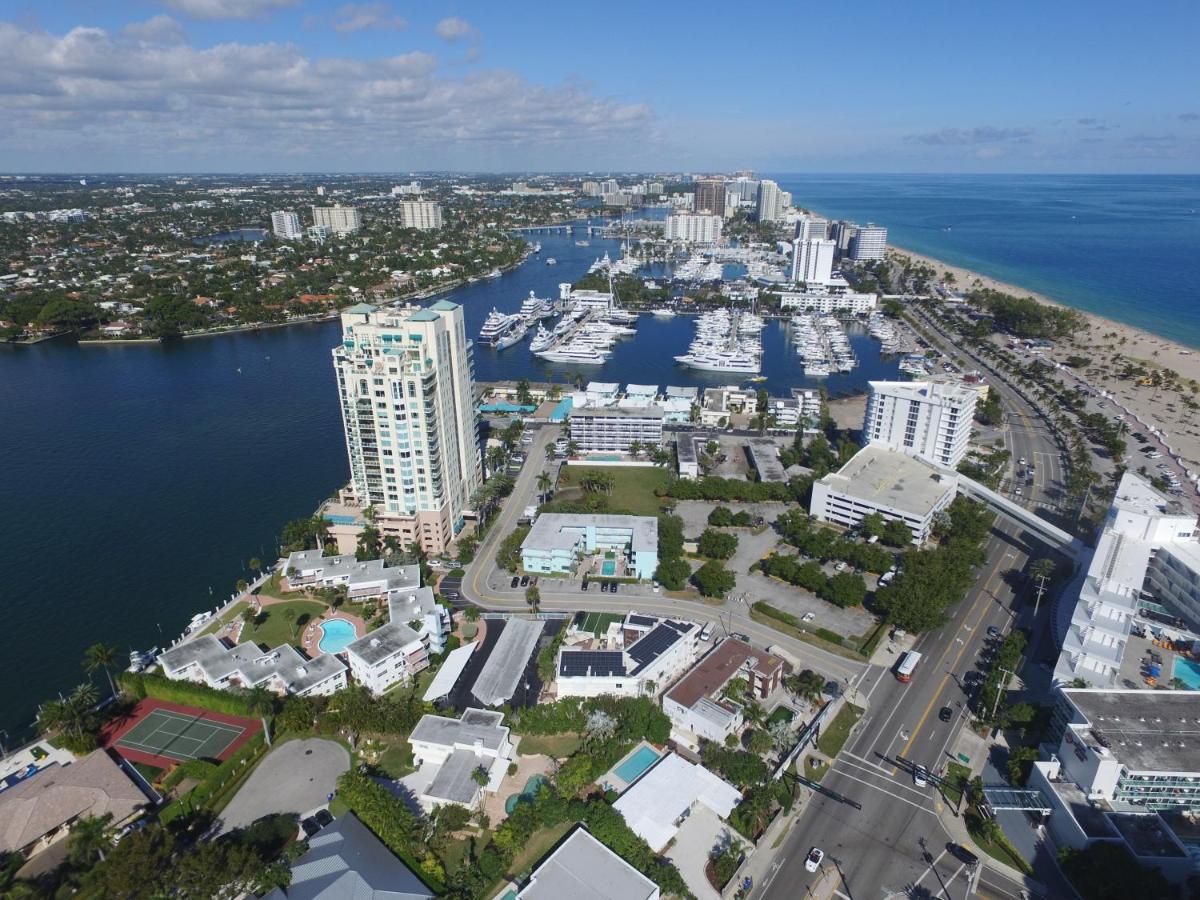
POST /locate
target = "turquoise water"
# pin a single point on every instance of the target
(641, 760)
(532, 786)
(608, 568)
(1120, 246)
(335, 635)
(504, 406)
(341, 520)
(1188, 672)
(560, 411)
(605, 457)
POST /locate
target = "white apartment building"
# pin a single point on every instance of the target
(1148, 546)
(926, 419)
(284, 670)
(364, 580)
(286, 225)
(696, 705)
(654, 652)
(424, 215)
(802, 409)
(821, 301)
(869, 242)
(614, 429)
(1125, 770)
(388, 655)
(407, 388)
(695, 228)
(769, 202)
(812, 228)
(721, 402)
(812, 261)
(881, 480)
(318, 234)
(339, 219)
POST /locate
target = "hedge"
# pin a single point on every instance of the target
(212, 791)
(187, 693)
(391, 821)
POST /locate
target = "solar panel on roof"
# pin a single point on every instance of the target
(576, 663)
(652, 646)
(647, 621)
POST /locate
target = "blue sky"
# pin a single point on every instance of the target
(383, 85)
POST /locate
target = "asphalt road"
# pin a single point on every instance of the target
(896, 841)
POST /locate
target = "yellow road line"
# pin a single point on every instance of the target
(942, 686)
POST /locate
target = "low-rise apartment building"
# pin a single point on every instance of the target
(696, 705)
(558, 542)
(456, 749)
(615, 428)
(653, 653)
(364, 580)
(282, 671)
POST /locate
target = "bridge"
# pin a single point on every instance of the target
(549, 227)
(1024, 518)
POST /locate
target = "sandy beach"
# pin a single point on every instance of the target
(1109, 345)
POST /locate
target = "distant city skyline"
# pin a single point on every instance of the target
(388, 86)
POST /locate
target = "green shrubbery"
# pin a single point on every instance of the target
(726, 490)
(843, 589)
(185, 693)
(717, 544)
(724, 517)
(393, 823)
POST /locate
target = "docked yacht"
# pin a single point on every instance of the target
(542, 340)
(721, 361)
(535, 308)
(501, 330)
(662, 312)
(576, 353)
(495, 273)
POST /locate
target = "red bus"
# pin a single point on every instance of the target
(907, 665)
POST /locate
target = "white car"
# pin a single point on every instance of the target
(921, 776)
(814, 859)
(808, 617)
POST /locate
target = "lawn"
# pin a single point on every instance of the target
(597, 623)
(955, 782)
(633, 491)
(553, 745)
(224, 619)
(780, 714)
(536, 847)
(397, 760)
(835, 734)
(1000, 850)
(272, 628)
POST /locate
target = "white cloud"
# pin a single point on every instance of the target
(158, 29)
(95, 95)
(360, 16)
(453, 28)
(226, 9)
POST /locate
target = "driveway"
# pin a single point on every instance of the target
(696, 838)
(296, 777)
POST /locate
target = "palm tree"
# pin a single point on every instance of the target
(572, 448)
(635, 447)
(471, 613)
(102, 657)
(256, 564)
(543, 484)
(290, 615)
(88, 840)
(261, 703)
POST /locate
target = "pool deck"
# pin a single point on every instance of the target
(527, 767)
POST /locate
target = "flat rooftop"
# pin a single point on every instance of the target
(1147, 731)
(501, 674)
(1146, 834)
(764, 456)
(1137, 495)
(721, 664)
(616, 412)
(561, 530)
(475, 725)
(883, 477)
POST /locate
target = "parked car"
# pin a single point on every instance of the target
(613, 589)
(516, 581)
(585, 585)
(524, 581)
(815, 857)
(993, 631)
(808, 617)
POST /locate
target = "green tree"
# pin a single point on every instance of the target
(102, 658)
(760, 742)
(717, 544)
(256, 564)
(543, 485)
(88, 841)
(369, 544)
(845, 589)
(673, 574)
(714, 580)
(262, 703)
(872, 524)
(533, 596)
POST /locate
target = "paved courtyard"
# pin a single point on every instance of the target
(700, 833)
(296, 777)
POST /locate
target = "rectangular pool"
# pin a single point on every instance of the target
(641, 760)
(609, 567)
(1188, 672)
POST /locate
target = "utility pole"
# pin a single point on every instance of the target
(999, 691)
(1041, 590)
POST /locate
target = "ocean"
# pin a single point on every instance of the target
(1125, 247)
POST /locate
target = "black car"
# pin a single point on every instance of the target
(310, 826)
(613, 589)
(524, 581)
(962, 854)
(604, 587)
(323, 817)
(585, 585)
(516, 582)
(945, 714)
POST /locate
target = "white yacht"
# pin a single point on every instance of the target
(542, 340)
(537, 248)
(535, 308)
(721, 361)
(501, 330)
(551, 261)
(572, 352)
(663, 312)
(495, 273)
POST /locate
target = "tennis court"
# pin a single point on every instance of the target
(597, 623)
(179, 736)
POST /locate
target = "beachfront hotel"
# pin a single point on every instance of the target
(406, 383)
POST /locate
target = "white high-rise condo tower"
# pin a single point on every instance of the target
(869, 243)
(421, 214)
(770, 208)
(339, 219)
(812, 261)
(286, 225)
(407, 387)
(927, 419)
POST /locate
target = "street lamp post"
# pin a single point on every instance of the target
(999, 690)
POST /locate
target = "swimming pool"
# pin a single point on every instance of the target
(335, 635)
(608, 567)
(642, 759)
(1188, 672)
(532, 786)
(341, 520)
(605, 457)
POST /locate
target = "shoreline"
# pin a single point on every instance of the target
(1100, 342)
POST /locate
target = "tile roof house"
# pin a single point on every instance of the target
(40, 809)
